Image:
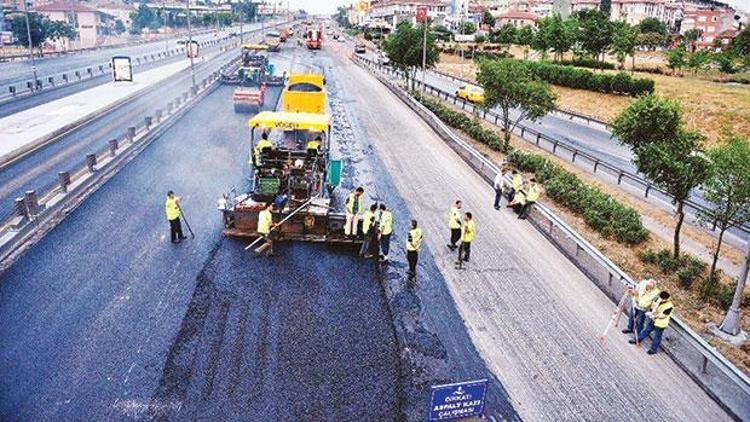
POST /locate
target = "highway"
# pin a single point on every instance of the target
(105, 319)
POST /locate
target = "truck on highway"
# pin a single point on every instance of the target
(273, 40)
(253, 76)
(314, 38)
(295, 173)
(283, 34)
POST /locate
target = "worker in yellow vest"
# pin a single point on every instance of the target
(265, 225)
(468, 231)
(173, 210)
(354, 209)
(259, 147)
(659, 317)
(386, 228)
(369, 227)
(313, 147)
(413, 244)
(454, 224)
(532, 192)
(516, 182)
(643, 295)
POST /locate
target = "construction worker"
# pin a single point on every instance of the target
(368, 229)
(498, 184)
(313, 146)
(531, 192)
(643, 295)
(454, 224)
(173, 210)
(354, 209)
(516, 182)
(260, 146)
(413, 244)
(265, 224)
(659, 317)
(467, 236)
(386, 228)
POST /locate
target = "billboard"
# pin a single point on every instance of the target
(122, 69)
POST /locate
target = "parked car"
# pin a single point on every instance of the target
(471, 93)
(360, 48)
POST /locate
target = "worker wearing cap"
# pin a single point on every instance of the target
(454, 224)
(354, 209)
(643, 295)
(386, 228)
(173, 211)
(260, 146)
(368, 229)
(468, 230)
(265, 224)
(313, 146)
(659, 317)
(413, 244)
(532, 192)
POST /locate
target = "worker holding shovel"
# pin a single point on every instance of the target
(173, 210)
(265, 224)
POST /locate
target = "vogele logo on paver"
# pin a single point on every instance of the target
(457, 400)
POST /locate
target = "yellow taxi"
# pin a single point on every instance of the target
(470, 93)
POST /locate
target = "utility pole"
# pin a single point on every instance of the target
(731, 323)
(31, 47)
(422, 15)
(166, 38)
(190, 44)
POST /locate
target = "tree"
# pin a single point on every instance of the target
(652, 40)
(511, 86)
(506, 35)
(144, 17)
(725, 62)
(341, 17)
(39, 25)
(665, 152)
(676, 58)
(653, 25)
(594, 32)
(697, 60)
(541, 42)
(466, 28)
(624, 43)
(727, 188)
(525, 37)
(119, 27)
(488, 19)
(740, 45)
(561, 34)
(605, 6)
(690, 37)
(58, 30)
(248, 9)
(404, 49)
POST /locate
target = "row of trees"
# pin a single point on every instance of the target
(42, 29)
(153, 19)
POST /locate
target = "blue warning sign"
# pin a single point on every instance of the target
(457, 400)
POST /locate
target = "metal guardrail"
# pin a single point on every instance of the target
(39, 206)
(721, 379)
(559, 148)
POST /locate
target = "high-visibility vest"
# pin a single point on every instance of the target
(350, 203)
(467, 234)
(644, 298)
(516, 182)
(533, 194)
(454, 219)
(171, 208)
(264, 222)
(313, 145)
(367, 218)
(263, 143)
(414, 242)
(386, 223)
(660, 319)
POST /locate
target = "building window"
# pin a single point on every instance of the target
(72, 18)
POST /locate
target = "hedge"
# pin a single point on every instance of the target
(599, 210)
(610, 83)
(584, 62)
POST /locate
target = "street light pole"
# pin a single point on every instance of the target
(424, 51)
(166, 38)
(190, 44)
(731, 323)
(28, 35)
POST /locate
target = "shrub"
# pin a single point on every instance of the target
(691, 269)
(586, 62)
(647, 256)
(666, 262)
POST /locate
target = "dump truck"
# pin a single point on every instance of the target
(273, 40)
(283, 34)
(314, 37)
(298, 181)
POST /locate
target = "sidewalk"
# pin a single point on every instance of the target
(532, 315)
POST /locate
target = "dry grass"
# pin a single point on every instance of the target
(709, 107)
(694, 311)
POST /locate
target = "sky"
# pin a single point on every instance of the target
(327, 7)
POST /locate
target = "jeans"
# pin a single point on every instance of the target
(175, 229)
(636, 317)
(498, 196)
(656, 341)
(385, 244)
(412, 257)
(365, 249)
(455, 235)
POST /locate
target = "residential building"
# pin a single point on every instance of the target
(393, 12)
(90, 24)
(120, 11)
(710, 21)
(634, 11)
(541, 8)
(517, 18)
(578, 5)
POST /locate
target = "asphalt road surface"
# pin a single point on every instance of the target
(105, 319)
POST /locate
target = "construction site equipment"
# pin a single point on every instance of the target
(253, 75)
(284, 34)
(304, 93)
(273, 40)
(184, 218)
(299, 182)
(314, 38)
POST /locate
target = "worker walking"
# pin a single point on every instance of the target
(643, 295)
(173, 210)
(386, 228)
(413, 244)
(454, 224)
(532, 193)
(467, 236)
(368, 229)
(498, 184)
(659, 317)
(265, 224)
(354, 210)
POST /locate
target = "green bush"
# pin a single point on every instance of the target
(691, 268)
(573, 77)
(666, 262)
(647, 256)
(586, 62)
